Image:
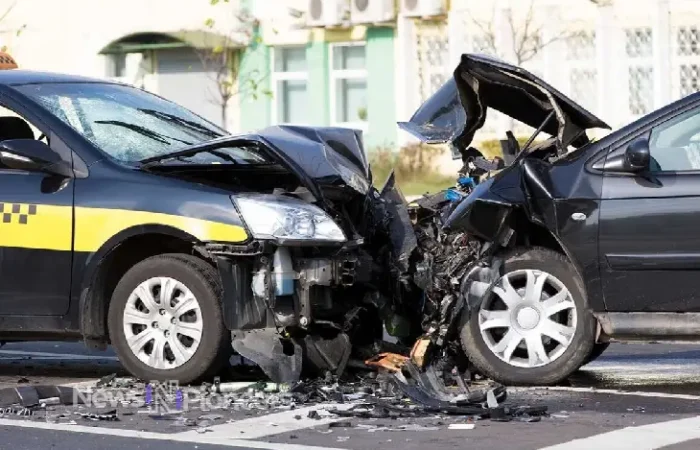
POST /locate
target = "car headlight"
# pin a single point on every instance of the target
(274, 216)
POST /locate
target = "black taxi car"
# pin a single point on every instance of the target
(126, 219)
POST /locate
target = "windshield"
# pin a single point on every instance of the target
(125, 122)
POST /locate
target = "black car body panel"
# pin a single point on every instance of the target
(456, 111)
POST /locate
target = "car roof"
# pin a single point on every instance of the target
(20, 76)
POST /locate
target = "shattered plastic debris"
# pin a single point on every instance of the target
(184, 422)
(106, 380)
(105, 416)
(407, 394)
(387, 361)
(409, 427)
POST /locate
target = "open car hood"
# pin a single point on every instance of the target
(458, 109)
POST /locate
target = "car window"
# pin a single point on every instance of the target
(14, 126)
(675, 145)
(127, 123)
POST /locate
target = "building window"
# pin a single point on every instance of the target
(116, 65)
(686, 60)
(349, 85)
(583, 74)
(290, 78)
(433, 58)
(640, 70)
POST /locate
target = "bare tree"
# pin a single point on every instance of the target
(222, 59)
(526, 35)
(18, 30)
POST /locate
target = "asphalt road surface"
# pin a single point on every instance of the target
(641, 396)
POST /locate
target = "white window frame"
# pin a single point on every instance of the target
(638, 62)
(584, 64)
(351, 74)
(276, 77)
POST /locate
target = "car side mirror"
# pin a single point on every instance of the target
(635, 159)
(33, 156)
(637, 155)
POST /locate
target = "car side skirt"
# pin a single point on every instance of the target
(641, 326)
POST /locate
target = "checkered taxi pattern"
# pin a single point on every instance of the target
(16, 212)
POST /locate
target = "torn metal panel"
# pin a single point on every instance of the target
(31, 396)
(280, 359)
(327, 354)
(456, 111)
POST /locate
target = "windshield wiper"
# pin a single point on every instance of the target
(142, 131)
(185, 122)
(153, 160)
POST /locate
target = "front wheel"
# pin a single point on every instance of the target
(165, 319)
(534, 328)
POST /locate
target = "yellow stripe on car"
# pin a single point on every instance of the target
(94, 226)
(49, 227)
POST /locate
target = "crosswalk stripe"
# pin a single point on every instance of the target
(175, 437)
(647, 437)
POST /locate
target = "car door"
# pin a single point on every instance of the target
(36, 232)
(649, 238)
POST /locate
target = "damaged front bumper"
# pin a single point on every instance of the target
(283, 304)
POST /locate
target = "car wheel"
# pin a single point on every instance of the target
(598, 350)
(165, 319)
(534, 328)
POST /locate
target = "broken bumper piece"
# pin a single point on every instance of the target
(280, 359)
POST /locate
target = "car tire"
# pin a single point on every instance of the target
(196, 327)
(598, 350)
(480, 338)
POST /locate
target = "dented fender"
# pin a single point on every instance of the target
(486, 212)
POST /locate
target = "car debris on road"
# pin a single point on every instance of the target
(374, 395)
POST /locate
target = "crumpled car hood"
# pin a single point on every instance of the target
(321, 157)
(326, 155)
(458, 109)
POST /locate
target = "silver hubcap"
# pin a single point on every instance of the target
(531, 319)
(162, 323)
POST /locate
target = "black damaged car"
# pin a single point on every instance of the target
(568, 243)
(128, 220)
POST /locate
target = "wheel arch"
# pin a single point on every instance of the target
(104, 268)
(530, 234)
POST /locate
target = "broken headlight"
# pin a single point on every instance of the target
(277, 217)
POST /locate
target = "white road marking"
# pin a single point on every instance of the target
(676, 366)
(592, 390)
(21, 353)
(197, 438)
(276, 423)
(648, 437)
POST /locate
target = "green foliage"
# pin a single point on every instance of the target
(492, 147)
(362, 113)
(413, 165)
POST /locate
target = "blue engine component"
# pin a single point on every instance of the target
(453, 195)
